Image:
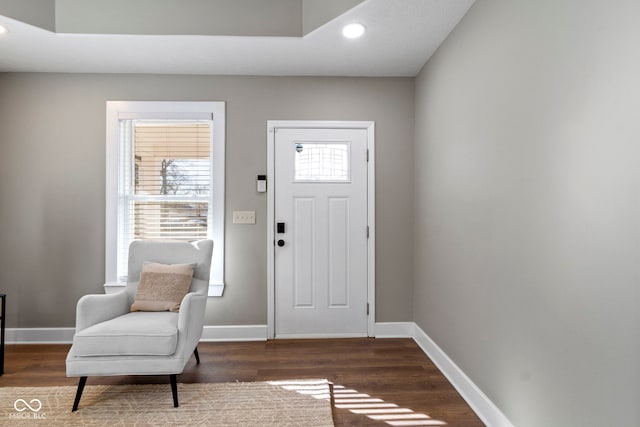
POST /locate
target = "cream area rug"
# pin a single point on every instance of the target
(277, 403)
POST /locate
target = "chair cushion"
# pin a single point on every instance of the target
(133, 334)
(162, 287)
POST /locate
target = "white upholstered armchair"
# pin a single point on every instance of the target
(110, 339)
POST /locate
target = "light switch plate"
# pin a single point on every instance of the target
(244, 217)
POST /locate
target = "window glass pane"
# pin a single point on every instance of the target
(172, 158)
(321, 161)
(166, 182)
(170, 220)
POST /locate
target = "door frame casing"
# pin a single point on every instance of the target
(272, 126)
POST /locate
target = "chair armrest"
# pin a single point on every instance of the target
(96, 308)
(190, 322)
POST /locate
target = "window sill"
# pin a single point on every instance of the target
(215, 289)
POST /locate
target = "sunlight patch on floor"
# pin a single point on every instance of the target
(360, 403)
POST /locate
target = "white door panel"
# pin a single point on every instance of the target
(321, 197)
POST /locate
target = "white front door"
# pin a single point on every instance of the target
(320, 232)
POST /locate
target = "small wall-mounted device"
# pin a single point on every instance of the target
(262, 184)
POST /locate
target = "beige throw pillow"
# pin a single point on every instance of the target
(162, 287)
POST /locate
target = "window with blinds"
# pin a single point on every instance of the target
(165, 179)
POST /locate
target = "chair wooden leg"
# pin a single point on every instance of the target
(174, 390)
(81, 383)
(195, 353)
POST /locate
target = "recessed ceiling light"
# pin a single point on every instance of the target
(3, 30)
(353, 31)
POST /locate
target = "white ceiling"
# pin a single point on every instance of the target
(401, 36)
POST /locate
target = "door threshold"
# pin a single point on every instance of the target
(320, 336)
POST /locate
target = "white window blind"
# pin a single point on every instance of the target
(165, 182)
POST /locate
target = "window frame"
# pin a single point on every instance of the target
(166, 110)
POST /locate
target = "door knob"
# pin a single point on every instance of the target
(281, 243)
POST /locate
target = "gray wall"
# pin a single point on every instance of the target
(275, 18)
(52, 179)
(527, 247)
(316, 13)
(40, 13)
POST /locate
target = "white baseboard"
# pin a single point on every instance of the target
(235, 333)
(39, 335)
(394, 329)
(65, 335)
(210, 333)
(477, 400)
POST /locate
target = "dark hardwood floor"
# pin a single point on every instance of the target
(392, 379)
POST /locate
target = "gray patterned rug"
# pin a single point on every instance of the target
(282, 403)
